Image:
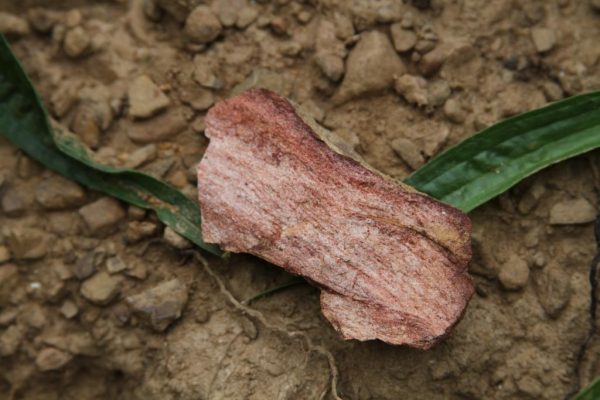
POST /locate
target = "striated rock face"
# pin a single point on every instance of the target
(391, 262)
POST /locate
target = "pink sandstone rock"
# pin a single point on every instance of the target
(391, 262)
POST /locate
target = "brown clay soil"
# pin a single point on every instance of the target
(99, 301)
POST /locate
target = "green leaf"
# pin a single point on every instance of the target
(490, 162)
(591, 392)
(24, 122)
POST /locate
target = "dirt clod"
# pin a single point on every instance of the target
(102, 216)
(514, 274)
(575, 211)
(162, 304)
(50, 359)
(202, 26)
(101, 288)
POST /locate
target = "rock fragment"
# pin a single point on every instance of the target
(69, 309)
(330, 51)
(246, 17)
(77, 42)
(139, 230)
(371, 66)
(57, 193)
(409, 152)
(405, 279)
(575, 211)
(163, 127)
(202, 26)
(145, 98)
(543, 39)
(101, 288)
(553, 289)
(162, 304)
(403, 39)
(41, 19)
(50, 359)
(114, 265)
(14, 202)
(28, 243)
(514, 273)
(102, 216)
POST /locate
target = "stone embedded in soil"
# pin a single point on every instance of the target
(114, 265)
(102, 216)
(202, 26)
(543, 39)
(404, 40)
(575, 211)
(87, 265)
(9, 280)
(329, 51)
(146, 98)
(391, 262)
(101, 288)
(14, 202)
(514, 273)
(408, 151)
(28, 243)
(12, 25)
(69, 309)
(141, 156)
(246, 16)
(8, 316)
(163, 127)
(373, 52)
(162, 304)
(57, 193)
(553, 288)
(413, 89)
(77, 42)
(50, 359)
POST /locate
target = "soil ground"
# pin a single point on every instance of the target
(98, 302)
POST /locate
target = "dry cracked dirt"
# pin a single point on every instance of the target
(99, 301)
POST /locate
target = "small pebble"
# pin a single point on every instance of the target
(141, 156)
(544, 39)
(114, 265)
(14, 202)
(162, 304)
(101, 288)
(69, 309)
(409, 152)
(28, 243)
(76, 43)
(404, 40)
(246, 16)
(102, 216)
(57, 193)
(575, 211)
(453, 111)
(145, 98)
(514, 273)
(50, 359)
(202, 26)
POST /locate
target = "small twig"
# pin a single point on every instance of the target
(259, 317)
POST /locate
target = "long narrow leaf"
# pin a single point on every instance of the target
(490, 162)
(591, 392)
(24, 122)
